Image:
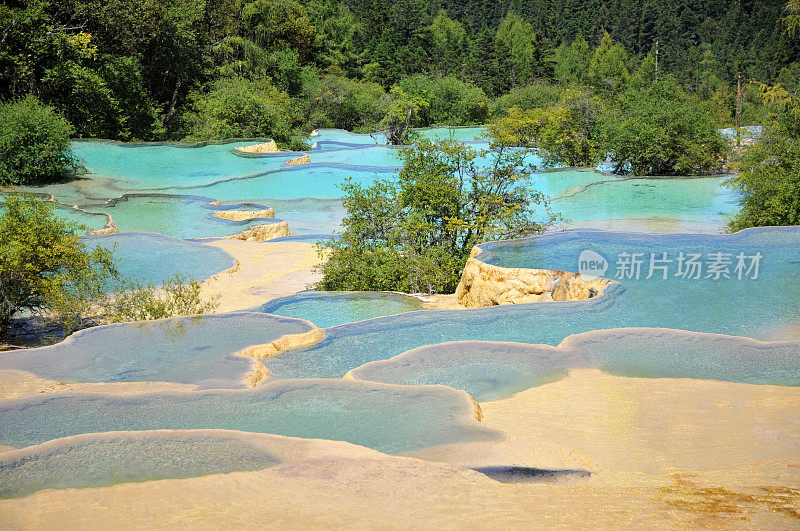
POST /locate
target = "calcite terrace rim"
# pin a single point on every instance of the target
(574, 344)
(467, 414)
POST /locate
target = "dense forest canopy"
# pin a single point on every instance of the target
(153, 69)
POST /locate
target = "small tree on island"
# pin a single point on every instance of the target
(415, 231)
(658, 129)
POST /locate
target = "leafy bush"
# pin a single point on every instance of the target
(415, 232)
(241, 108)
(178, 296)
(769, 171)
(450, 101)
(34, 144)
(539, 94)
(335, 101)
(44, 267)
(659, 130)
(565, 133)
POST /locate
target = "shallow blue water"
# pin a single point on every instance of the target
(703, 200)
(497, 370)
(146, 166)
(486, 370)
(177, 216)
(658, 353)
(103, 460)
(196, 351)
(755, 308)
(387, 418)
(332, 308)
(155, 258)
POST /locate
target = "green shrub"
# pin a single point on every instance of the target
(336, 101)
(660, 130)
(34, 144)
(241, 108)
(450, 101)
(415, 232)
(44, 267)
(539, 94)
(178, 296)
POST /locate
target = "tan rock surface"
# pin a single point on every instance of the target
(303, 159)
(284, 343)
(663, 454)
(262, 233)
(266, 147)
(244, 215)
(485, 285)
(19, 384)
(265, 271)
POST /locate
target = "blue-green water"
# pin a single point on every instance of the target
(152, 258)
(384, 417)
(177, 216)
(367, 331)
(749, 307)
(497, 370)
(103, 460)
(197, 351)
(486, 370)
(332, 308)
(147, 166)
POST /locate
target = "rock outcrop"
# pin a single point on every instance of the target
(266, 147)
(244, 215)
(283, 343)
(302, 159)
(485, 285)
(262, 233)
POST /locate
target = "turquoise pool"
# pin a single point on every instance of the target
(155, 258)
(753, 308)
(197, 351)
(388, 418)
(333, 308)
(177, 216)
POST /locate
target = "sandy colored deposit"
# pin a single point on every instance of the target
(662, 453)
(266, 271)
(19, 384)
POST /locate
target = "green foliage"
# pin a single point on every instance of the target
(450, 101)
(769, 183)
(34, 144)
(449, 44)
(520, 53)
(566, 133)
(769, 171)
(179, 296)
(240, 108)
(340, 36)
(44, 267)
(336, 101)
(608, 68)
(415, 232)
(572, 60)
(792, 19)
(400, 112)
(659, 130)
(532, 96)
